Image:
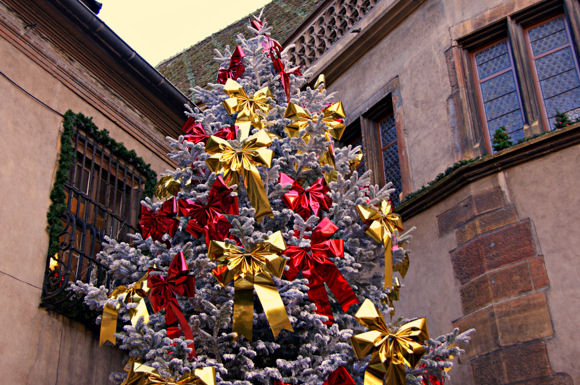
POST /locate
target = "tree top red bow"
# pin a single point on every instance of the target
(306, 202)
(164, 292)
(235, 69)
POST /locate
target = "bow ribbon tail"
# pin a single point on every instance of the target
(109, 324)
(317, 295)
(174, 312)
(257, 193)
(338, 285)
(376, 372)
(388, 242)
(272, 304)
(243, 311)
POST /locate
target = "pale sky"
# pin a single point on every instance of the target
(157, 30)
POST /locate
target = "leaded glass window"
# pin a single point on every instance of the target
(390, 155)
(556, 68)
(499, 90)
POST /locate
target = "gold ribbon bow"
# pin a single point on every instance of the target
(242, 161)
(331, 116)
(250, 111)
(134, 294)
(382, 223)
(141, 374)
(249, 271)
(166, 187)
(390, 351)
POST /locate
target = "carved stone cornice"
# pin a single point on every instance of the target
(343, 31)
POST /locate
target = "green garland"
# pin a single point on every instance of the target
(57, 207)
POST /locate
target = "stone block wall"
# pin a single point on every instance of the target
(503, 284)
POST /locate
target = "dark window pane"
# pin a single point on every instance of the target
(550, 42)
(493, 66)
(393, 170)
(388, 131)
(490, 53)
(561, 83)
(555, 63)
(546, 29)
(502, 105)
(498, 86)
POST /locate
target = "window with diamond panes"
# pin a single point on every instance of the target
(390, 154)
(556, 68)
(499, 91)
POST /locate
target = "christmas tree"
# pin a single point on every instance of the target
(264, 213)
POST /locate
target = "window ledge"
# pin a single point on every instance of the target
(462, 176)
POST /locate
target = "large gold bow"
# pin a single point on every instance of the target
(382, 223)
(134, 294)
(390, 351)
(249, 271)
(331, 116)
(242, 161)
(250, 111)
(141, 374)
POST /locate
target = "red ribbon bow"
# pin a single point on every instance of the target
(274, 50)
(235, 69)
(209, 219)
(196, 133)
(163, 295)
(306, 202)
(316, 266)
(339, 377)
(284, 75)
(156, 224)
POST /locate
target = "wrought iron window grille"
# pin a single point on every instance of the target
(97, 191)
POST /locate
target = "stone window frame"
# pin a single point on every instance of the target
(472, 137)
(365, 119)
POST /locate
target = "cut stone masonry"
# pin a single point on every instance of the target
(503, 284)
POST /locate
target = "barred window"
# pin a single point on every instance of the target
(101, 197)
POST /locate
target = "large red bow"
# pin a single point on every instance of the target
(316, 266)
(235, 69)
(164, 292)
(339, 377)
(156, 224)
(196, 132)
(209, 219)
(306, 202)
(284, 75)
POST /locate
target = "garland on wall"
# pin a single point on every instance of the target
(71, 123)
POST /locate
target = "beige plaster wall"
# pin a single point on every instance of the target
(415, 52)
(38, 347)
(546, 190)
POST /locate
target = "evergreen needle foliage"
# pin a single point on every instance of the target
(314, 349)
(501, 140)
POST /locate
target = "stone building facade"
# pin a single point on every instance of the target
(57, 56)
(425, 84)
